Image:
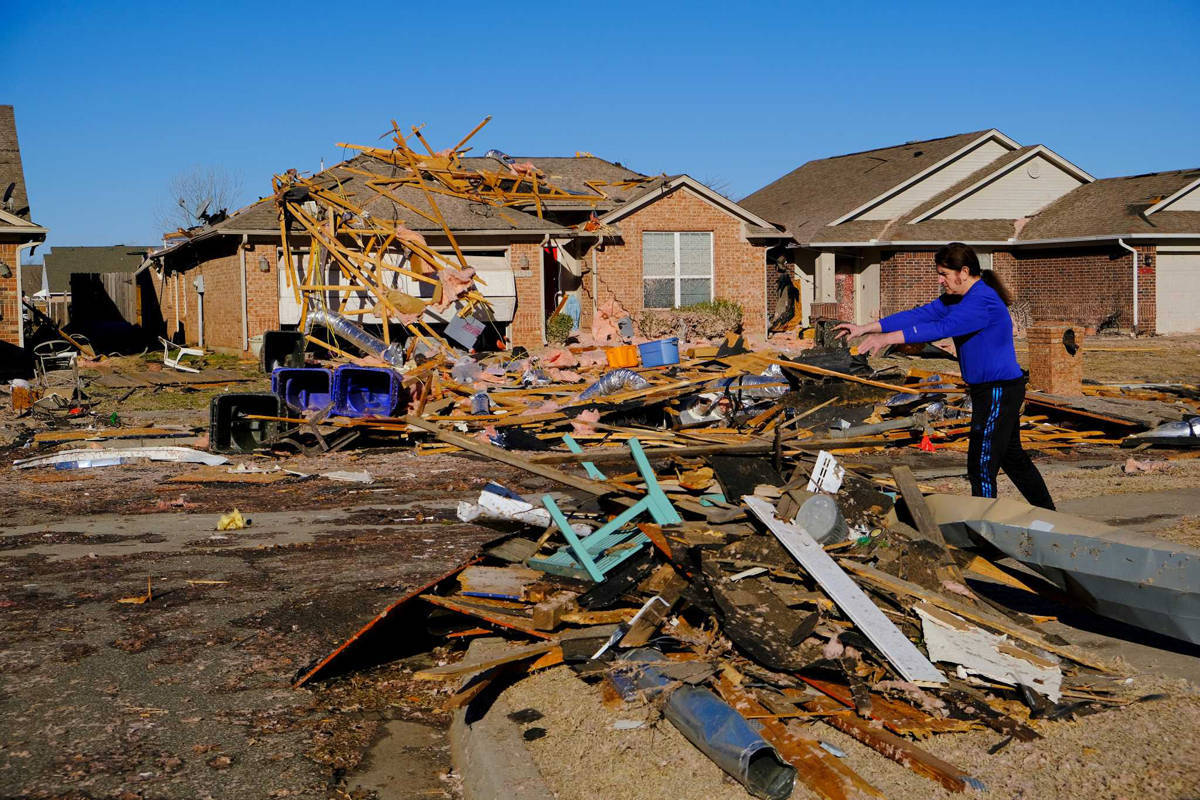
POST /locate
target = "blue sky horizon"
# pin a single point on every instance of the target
(113, 100)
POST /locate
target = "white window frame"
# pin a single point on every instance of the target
(678, 276)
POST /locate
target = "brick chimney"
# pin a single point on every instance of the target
(1056, 357)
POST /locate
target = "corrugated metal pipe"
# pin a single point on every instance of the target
(345, 329)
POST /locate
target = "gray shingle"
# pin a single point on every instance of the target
(12, 174)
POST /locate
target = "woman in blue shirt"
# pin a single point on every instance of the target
(974, 312)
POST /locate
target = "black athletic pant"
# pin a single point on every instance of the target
(996, 443)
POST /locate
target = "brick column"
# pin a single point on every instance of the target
(10, 297)
(1056, 358)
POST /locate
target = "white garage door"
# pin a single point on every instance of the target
(1177, 292)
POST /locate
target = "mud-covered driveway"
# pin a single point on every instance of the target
(189, 695)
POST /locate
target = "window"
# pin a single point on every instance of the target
(676, 268)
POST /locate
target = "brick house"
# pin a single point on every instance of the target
(225, 284)
(17, 233)
(865, 227)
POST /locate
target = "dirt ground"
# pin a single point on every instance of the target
(190, 695)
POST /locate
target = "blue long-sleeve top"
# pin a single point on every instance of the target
(979, 324)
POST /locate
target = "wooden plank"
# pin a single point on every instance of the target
(901, 751)
(927, 526)
(917, 507)
(898, 650)
(510, 621)
(897, 716)
(53, 437)
(655, 610)
(467, 667)
(505, 457)
(609, 455)
(823, 773)
(977, 614)
(829, 373)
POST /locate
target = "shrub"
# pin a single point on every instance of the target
(559, 327)
(707, 320)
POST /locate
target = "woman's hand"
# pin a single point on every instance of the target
(875, 342)
(848, 330)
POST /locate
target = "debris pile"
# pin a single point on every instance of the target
(754, 600)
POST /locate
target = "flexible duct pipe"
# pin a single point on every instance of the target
(344, 328)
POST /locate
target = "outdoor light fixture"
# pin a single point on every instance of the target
(5, 270)
(263, 264)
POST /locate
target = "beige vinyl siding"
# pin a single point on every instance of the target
(1016, 193)
(1177, 289)
(931, 185)
(1189, 202)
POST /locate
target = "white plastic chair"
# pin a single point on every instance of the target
(54, 354)
(173, 353)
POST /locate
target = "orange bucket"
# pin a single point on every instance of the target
(624, 356)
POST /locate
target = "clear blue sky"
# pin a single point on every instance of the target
(114, 98)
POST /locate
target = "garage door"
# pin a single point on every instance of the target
(1178, 290)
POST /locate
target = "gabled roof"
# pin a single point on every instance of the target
(31, 279)
(822, 192)
(12, 174)
(1117, 206)
(1167, 202)
(998, 169)
(904, 229)
(666, 184)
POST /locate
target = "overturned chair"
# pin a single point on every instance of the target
(610, 545)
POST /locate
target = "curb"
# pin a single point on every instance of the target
(491, 758)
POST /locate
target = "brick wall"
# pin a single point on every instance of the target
(10, 297)
(222, 299)
(739, 267)
(1082, 285)
(906, 279)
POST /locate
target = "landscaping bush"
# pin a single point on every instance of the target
(558, 328)
(708, 320)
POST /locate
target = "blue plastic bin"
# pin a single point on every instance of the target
(365, 391)
(303, 388)
(661, 353)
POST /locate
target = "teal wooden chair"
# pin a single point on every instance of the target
(604, 549)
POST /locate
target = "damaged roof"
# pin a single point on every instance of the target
(815, 194)
(1116, 206)
(13, 197)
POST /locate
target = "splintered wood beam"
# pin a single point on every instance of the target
(900, 750)
(506, 457)
(822, 772)
(829, 373)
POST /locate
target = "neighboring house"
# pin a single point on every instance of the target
(98, 292)
(17, 232)
(49, 294)
(225, 284)
(865, 227)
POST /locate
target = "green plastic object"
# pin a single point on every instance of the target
(589, 556)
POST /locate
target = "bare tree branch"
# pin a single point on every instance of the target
(198, 195)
